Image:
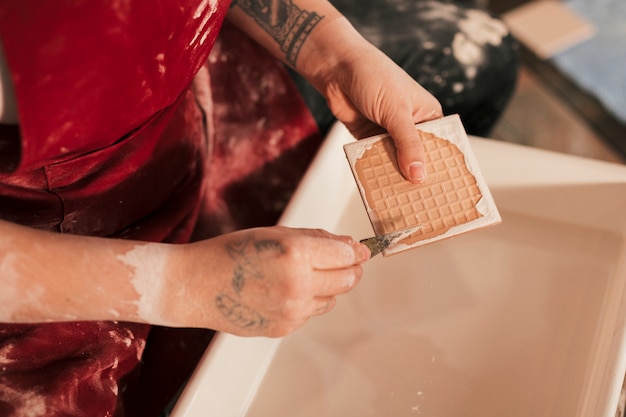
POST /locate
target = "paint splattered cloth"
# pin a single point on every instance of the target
(135, 122)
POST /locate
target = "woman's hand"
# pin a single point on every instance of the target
(264, 281)
(367, 91)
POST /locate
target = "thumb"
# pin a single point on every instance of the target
(410, 152)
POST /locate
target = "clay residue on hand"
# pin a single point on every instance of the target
(447, 198)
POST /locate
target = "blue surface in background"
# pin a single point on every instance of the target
(598, 65)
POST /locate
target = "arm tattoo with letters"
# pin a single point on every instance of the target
(283, 21)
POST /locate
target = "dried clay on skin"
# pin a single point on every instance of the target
(149, 262)
(10, 264)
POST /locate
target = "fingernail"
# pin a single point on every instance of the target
(417, 171)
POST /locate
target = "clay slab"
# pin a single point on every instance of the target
(454, 199)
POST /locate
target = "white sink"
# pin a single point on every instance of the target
(521, 319)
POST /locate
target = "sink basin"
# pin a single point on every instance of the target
(521, 319)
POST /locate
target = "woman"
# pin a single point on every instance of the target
(129, 129)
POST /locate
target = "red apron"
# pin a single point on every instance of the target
(113, 141)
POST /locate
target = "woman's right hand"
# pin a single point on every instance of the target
(264, 281)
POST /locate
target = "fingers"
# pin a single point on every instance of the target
(332, 284)
(324, 305)
(338, 281)
(329, 251)
(410, 150)
(335, 254)
(410, 154)
(336, 263)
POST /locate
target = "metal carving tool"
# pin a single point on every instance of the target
(377, 244)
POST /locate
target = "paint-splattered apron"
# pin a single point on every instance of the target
(133, 126)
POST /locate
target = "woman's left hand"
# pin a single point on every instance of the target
(367, 91)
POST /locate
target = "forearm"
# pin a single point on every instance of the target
(265, 281)
(309, 35)
(53, 277)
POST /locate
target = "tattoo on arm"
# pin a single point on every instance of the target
(239, 314)
(240, 252)
(283, 21)
(245, 252)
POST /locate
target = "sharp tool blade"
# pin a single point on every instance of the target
(377, 244)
